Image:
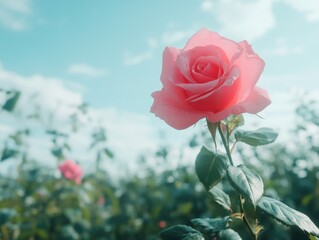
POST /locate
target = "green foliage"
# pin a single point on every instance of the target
(311, 237)
(229, 234)
(5, 215)
(11, 101)
(210, 167)
(7, 153)
(287, 216)
(261, 136)
(211, 226)
(45, 207)
(180, 232)
(37, 203)
(220, 197)
(208, 228)
(246, 182)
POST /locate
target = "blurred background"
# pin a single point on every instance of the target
(76, 79)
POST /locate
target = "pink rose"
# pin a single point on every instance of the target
(211, 77)
(71, 170)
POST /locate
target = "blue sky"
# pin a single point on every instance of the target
(108, 53)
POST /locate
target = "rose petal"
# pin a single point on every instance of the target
(212, 69)
(186, 60)
(176, 114)
(257, 100)
(216, 117)
(248, 48)
(195, 88)
(68, 174)
(205, 37)
(170, 72)
(216, 100)
(251, 67)
(227, 86)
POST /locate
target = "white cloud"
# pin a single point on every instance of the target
(50, 92)
(242, 19)
(171, 37)
(129, 133)
(5, 129)
(309, 7)
(207, 5)
(307, 80)
(14, 14)
(152, 42)
(253, 19)
(17, 6)
(278, 115)
(282, 49)
(86, 70)
(130, 59)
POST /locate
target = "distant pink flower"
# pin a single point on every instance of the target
(212, 77)
(162, 224)
(71, 170)
(101, 201)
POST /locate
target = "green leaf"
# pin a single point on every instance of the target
(41, 234)
(8, 153)
(193, 142)
(57, 152)
(6, 214)
(108, 153)
(162, 152)
(51, 132)
(67, 146)
(11, 102)
(68, 232)
(210, 167)
(261, 136)
(246, 182)
(311, 237)
(17, 137)
(220, 197)
(72, 214)
(229, 234)
(83, 107)
(180, 232)
(99, 136)
(287, 216)
(211, 225)
(55, 133)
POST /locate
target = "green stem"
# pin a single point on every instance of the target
(228, 152)
(251, 230)
(233, 147)
(225, 143)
